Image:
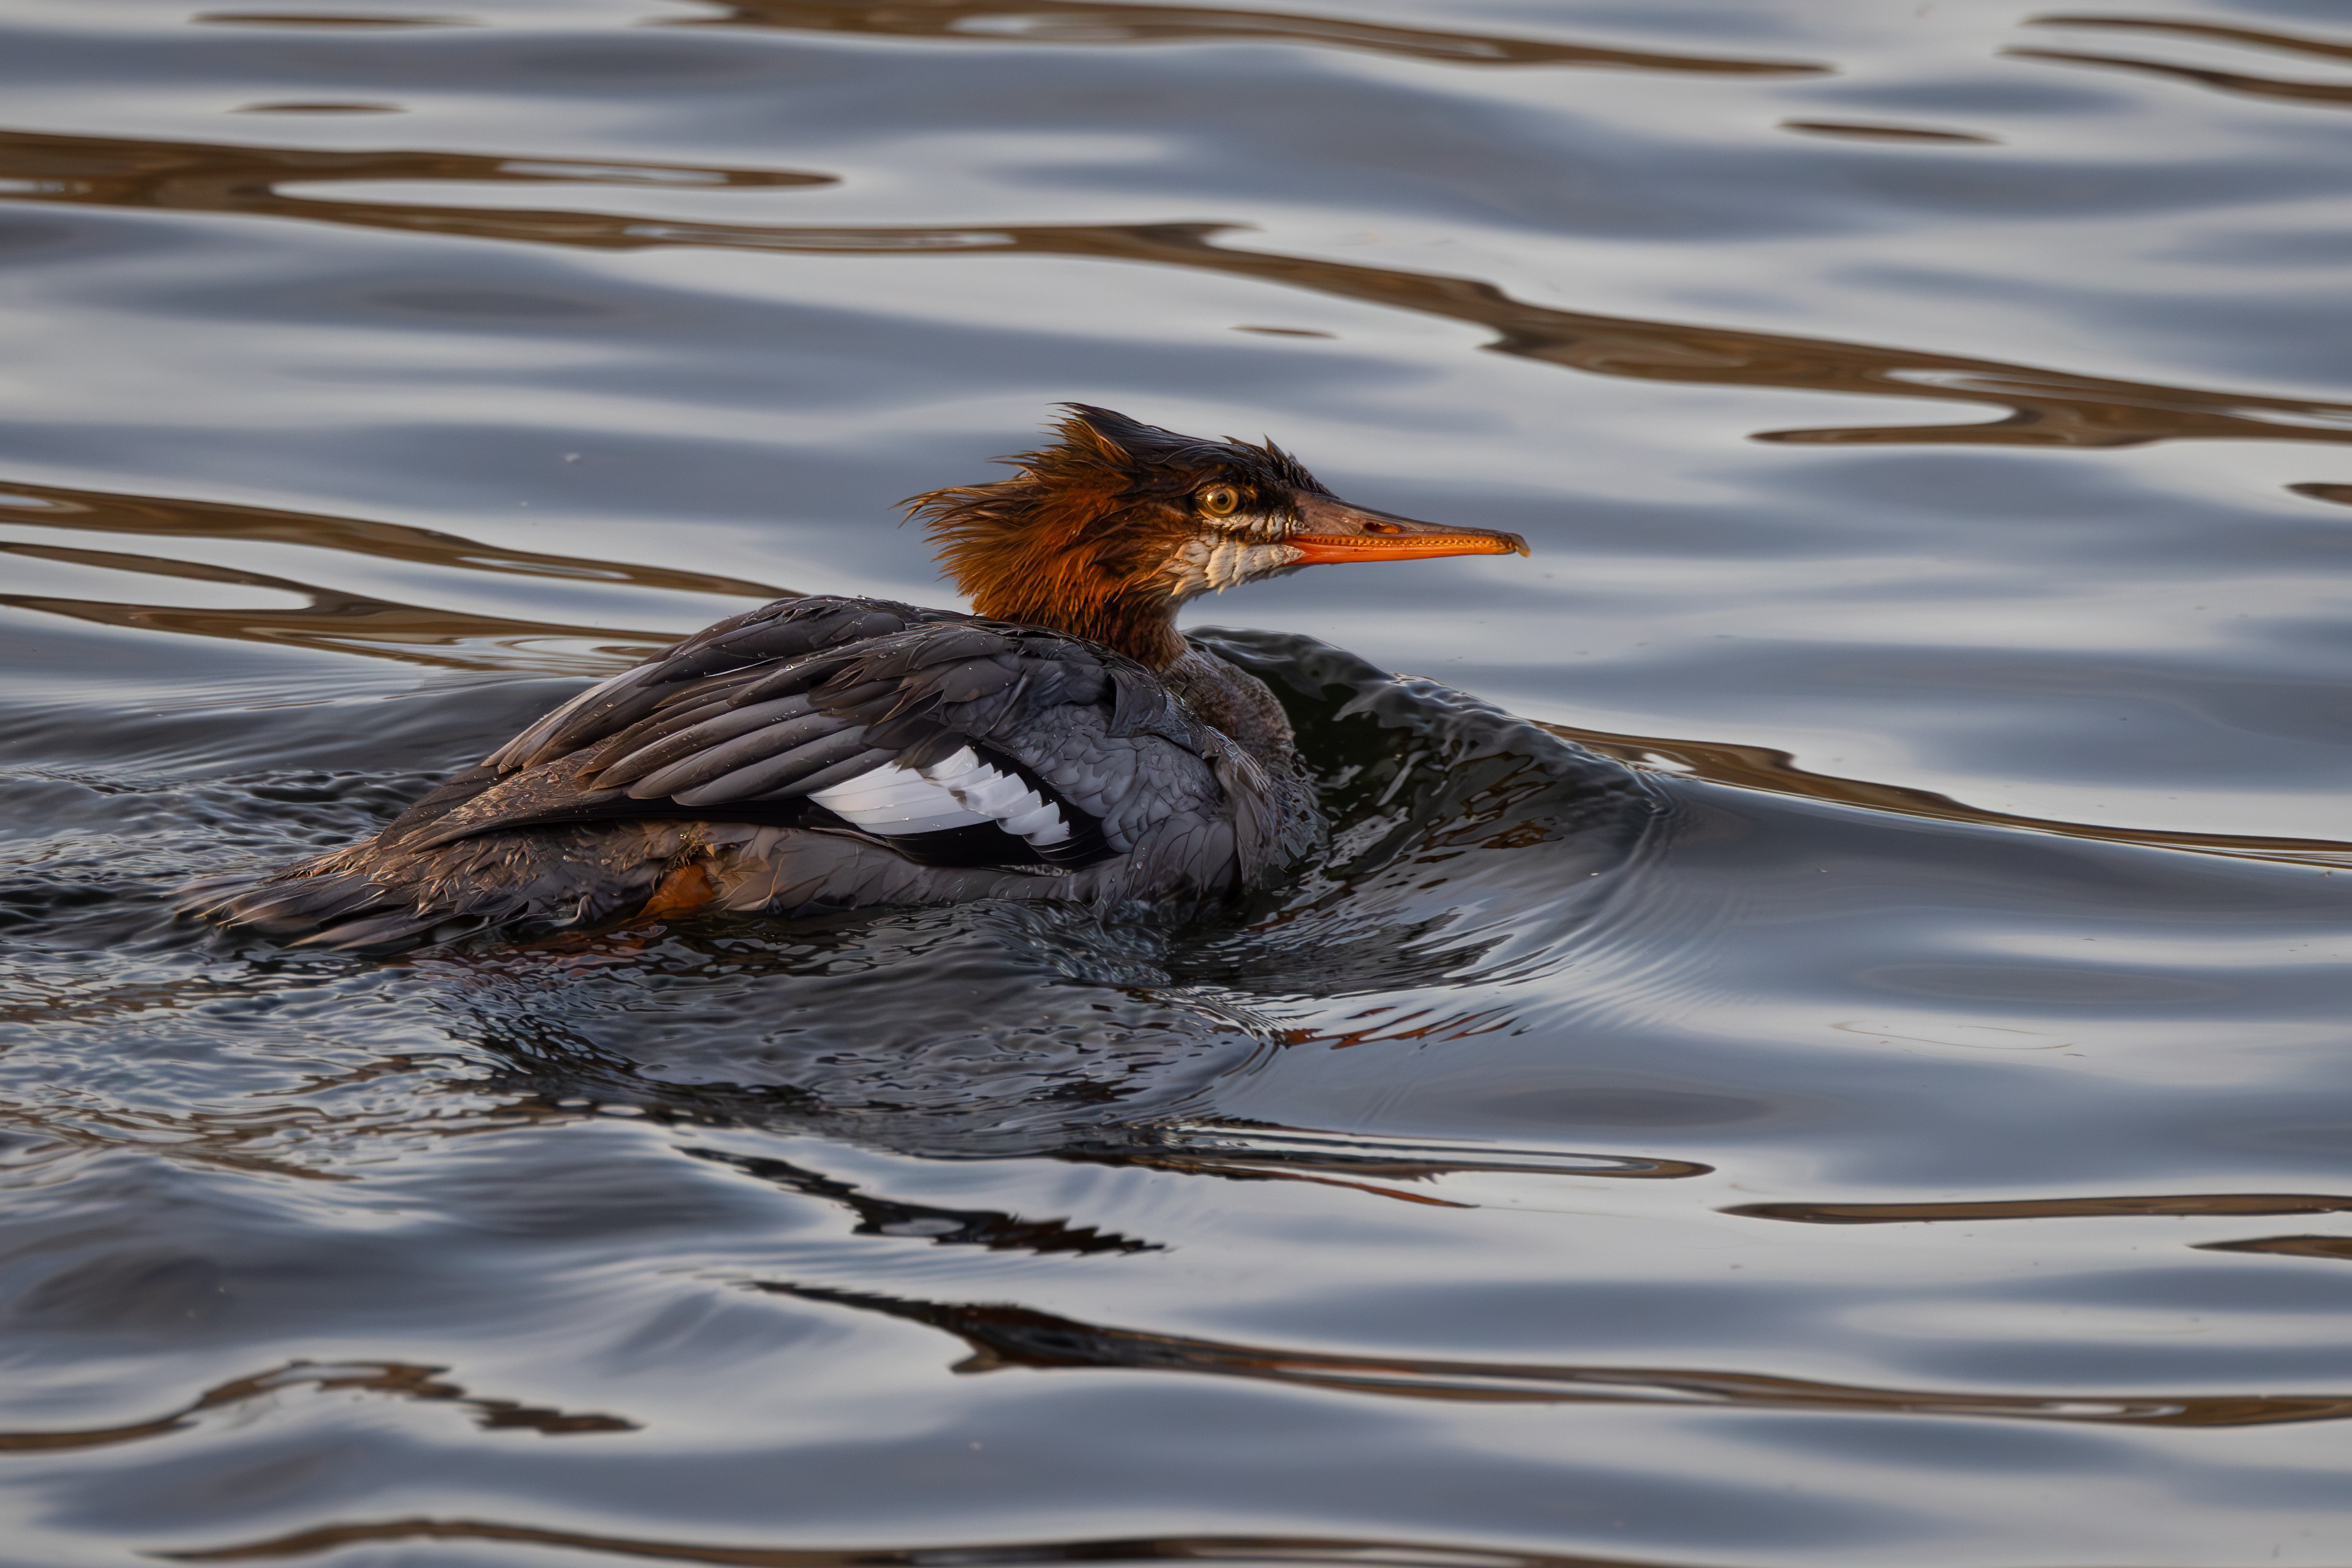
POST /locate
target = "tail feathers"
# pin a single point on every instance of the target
(375, 897)
(336, 910)
(277, 906)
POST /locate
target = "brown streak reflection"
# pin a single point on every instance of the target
(2179, 1204)
(2285, 43)
(2336, 1247)
(2333, 93)
(307, 19)
(340, 621)
(2046, 407)
(1871, 132)
(2329, 93)
(106, 511)
(319, 107)
(1776, 771)
(1003, 1336)
(205, 176)
(1080, 22)
(1324, 1552)
(396, 1378)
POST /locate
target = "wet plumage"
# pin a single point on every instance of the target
(1061, 741)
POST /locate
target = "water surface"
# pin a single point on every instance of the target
(1821, 1039)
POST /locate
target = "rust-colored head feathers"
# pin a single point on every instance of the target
(1105, 533)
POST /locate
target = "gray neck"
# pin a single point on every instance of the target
(1236, 702)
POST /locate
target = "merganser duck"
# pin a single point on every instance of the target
(1062, 741)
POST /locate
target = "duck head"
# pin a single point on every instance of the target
(1107, 532)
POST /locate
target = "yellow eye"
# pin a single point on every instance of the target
(1221, 500)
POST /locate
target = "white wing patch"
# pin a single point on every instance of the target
(960, 792)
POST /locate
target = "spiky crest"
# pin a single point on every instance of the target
(1078, 538)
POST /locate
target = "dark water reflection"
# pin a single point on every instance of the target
(1832, 1052)
(1076, 22)
(2047, 407)
(2318, 51)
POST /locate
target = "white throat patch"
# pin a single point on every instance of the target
(1215, 564)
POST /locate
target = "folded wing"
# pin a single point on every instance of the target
(954, 741)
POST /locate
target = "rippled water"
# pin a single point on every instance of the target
(1856, 1071)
